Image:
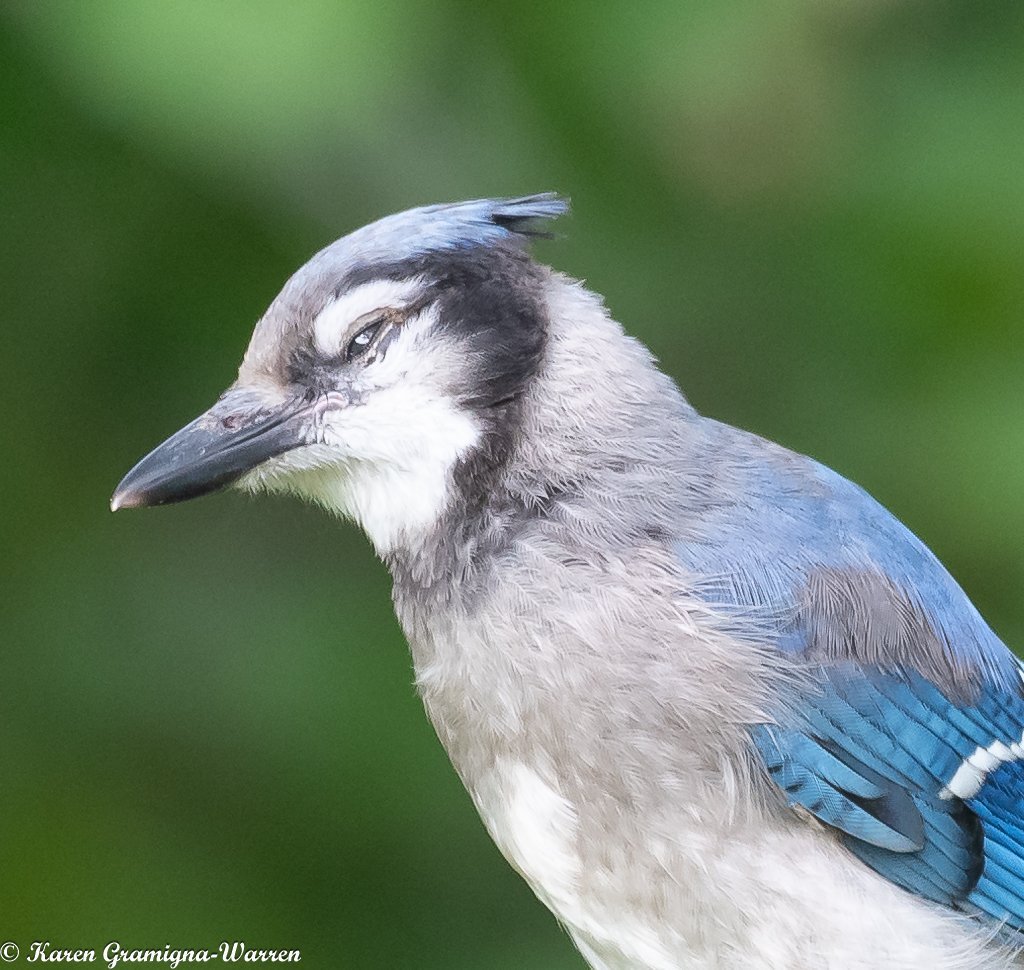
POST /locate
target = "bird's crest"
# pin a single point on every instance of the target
(459, 225)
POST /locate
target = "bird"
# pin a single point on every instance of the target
(716, 705)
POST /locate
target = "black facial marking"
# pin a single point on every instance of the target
(489, 300)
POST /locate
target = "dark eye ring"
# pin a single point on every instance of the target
(363, 340)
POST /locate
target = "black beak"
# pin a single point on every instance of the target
(238, 433)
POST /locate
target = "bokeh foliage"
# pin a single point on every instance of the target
(812, 210)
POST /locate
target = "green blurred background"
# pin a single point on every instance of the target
(812, 210)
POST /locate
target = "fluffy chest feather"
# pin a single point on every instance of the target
(537, 830)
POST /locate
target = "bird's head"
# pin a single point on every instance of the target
(387, 360)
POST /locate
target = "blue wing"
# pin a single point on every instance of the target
(909, 736)
(881, 758)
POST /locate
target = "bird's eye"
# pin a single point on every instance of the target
(362, 341)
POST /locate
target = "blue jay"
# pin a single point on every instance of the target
(716, 705)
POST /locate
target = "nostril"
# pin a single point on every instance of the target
(231, 422)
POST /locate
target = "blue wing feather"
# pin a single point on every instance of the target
(900, 701)
(859, 803)
(875, 761)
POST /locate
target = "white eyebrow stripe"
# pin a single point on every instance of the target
(330, 328)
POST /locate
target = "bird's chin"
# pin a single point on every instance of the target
(314, 473)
